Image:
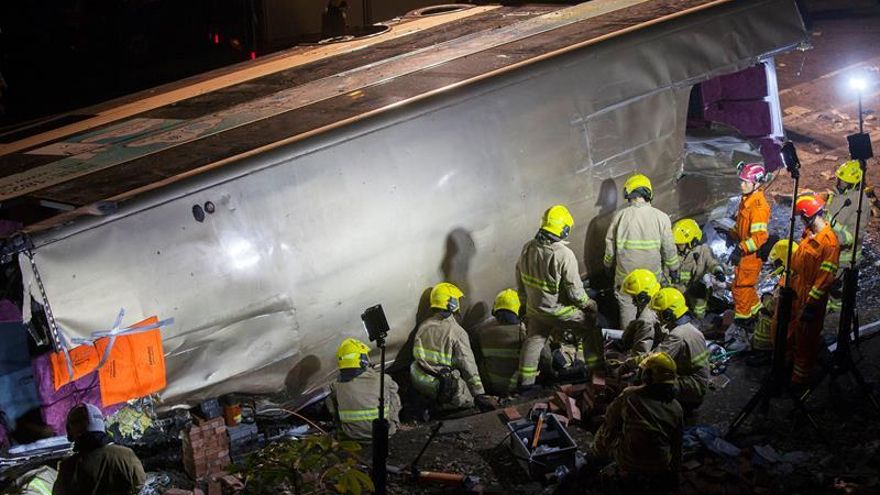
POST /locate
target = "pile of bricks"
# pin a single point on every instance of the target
(205, 448)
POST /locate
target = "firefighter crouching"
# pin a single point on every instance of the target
(354, 397)
(842, 207)
(686, 345)
(550, 286)
(643, 431)
(751, 233)
(640, 236)
(816, 263)
(639, 336)
(497, 342)
(444, 369)
(697, 261)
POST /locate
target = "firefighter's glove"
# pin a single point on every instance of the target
(590, 306)
(673, 276)
(764, 250)
(720, 276)
(836, 290)
(736, 256)
(484, 403)
(811, 312)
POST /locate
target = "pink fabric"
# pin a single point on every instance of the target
(9, 311)
(748, 84)
(56, 404)
(751, 117)
(8, 227)
(771, 150)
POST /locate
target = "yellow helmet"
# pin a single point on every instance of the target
(558, 221)
(779, 252)
(507, 299)
(669, 304)
(445, 296)
(686, 231)
(635, 182)
(640, 281)
(850, 172)
(352, 353)
(660, 367)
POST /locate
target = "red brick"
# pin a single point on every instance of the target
(511, 414)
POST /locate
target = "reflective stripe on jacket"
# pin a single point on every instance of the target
(548, 279)
(752, 221)
(498, 346)
(816, 263)
(640, 236)
(441, 342)
(355, 404)
(698, 262)
(687, 347)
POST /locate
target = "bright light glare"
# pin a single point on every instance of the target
(858, 83)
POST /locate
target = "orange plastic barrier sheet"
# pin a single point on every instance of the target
(135, 366)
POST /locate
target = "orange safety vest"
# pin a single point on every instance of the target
(816, 263)
(751, 223)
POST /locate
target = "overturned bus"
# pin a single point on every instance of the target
(264, 206)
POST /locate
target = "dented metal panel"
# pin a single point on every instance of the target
(307, 235)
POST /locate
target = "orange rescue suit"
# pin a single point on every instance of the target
(816, 263)
(751, 230)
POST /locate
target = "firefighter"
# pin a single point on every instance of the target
(697, 261)
(843, 205)
(686, 345)
(640, 236)
(354, 398)
(498, 341)
(762, 339)
(751, 233)
(549, 285)
(643, 430)
(640, 336)
(444, 368)
(816, 264)
(98, 466)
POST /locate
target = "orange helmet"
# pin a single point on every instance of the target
(809, 205)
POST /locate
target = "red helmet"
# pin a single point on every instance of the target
(752, 173)
(809, 206)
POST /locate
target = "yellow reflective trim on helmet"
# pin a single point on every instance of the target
(507, 299)
(850, 172)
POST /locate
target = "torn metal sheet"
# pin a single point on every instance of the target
(266, 265)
